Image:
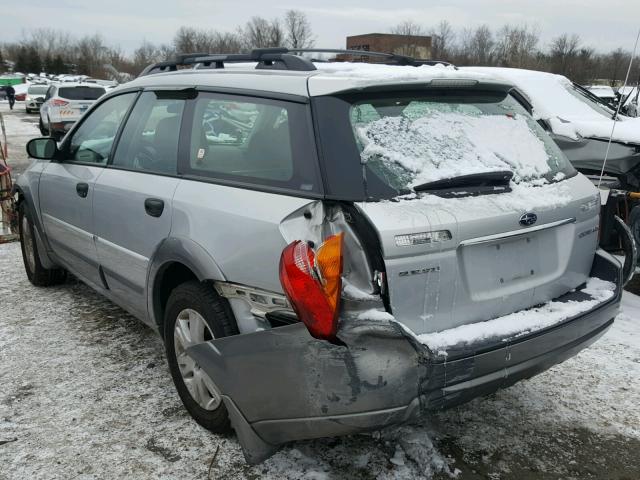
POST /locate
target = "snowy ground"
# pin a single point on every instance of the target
(20, 127)
(85, 393)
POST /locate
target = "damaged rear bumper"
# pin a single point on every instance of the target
(282, 385)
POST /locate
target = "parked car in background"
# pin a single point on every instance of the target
(64, 104)
(325, 248)
(21, 91)
(605, 92)
(35, 97)
(579, 122)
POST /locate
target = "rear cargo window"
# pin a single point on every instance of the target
(38, 90)
(81, 93)
(390, 143)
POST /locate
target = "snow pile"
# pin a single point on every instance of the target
(381, 72)
(520, 323)
(568, 114)
(376, 315)
(416, 446)
(445, 145)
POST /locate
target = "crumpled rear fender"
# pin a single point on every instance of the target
(333, 385)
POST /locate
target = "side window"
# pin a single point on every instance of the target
(92, 141)
(150, 140)
(252, 140)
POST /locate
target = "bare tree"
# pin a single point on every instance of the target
(563, 53)
(298, 30)
(262, 33)
(442, 40)
(407, 28)
(91, 55)
(411, 30)
(145, 54)
(517, 46)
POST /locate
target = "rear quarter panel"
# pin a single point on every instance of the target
(238, 227)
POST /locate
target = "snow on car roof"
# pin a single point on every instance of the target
(333, 77)
(567, 114)
(78, 84)
(330, 77)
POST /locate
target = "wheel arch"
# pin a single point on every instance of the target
(177, 260)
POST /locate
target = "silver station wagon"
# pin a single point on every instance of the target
(325, 247)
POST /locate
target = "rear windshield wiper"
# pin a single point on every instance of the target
(472, 184)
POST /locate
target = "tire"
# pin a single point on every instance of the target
(36, 273)
(43, 131)
(187, 302)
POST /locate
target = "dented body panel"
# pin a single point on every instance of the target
(294, 387)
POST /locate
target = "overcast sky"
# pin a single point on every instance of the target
(601, 24)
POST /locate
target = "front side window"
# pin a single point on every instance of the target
(260, 141)
(92, 141)
(149, 141)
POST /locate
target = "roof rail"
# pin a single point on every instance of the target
(275, 59)
(267, 58)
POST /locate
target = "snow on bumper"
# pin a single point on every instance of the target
(281, 385)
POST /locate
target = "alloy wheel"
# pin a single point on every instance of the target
(191, 329)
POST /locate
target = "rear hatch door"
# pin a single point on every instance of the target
(453, 261)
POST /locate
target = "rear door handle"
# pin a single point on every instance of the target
(82, 189)
(154, 206)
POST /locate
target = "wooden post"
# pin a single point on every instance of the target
(8, 230)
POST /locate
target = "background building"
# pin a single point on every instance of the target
(417, 46)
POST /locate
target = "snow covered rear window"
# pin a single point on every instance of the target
(38, 89)
(411, 140)
(81, 93)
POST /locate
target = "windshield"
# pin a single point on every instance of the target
(408, 141)
(596, 104)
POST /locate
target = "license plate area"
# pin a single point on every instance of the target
(513, 260)
(501, 267)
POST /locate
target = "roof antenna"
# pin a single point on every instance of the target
(615, 118)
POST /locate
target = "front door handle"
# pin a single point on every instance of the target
(82, 189)
(154, 206)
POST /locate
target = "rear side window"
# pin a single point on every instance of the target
(251, 140)
(81, 93)
(149, 141)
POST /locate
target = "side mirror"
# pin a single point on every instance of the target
(44, 148)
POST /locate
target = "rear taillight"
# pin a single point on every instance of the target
(58, 103)
(312, 282)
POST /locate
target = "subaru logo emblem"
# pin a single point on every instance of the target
(528, 219)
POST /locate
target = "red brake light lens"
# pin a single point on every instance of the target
(56, 102)
(312, 282)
